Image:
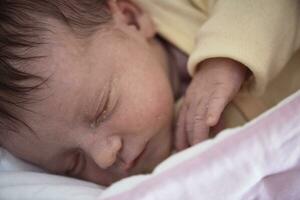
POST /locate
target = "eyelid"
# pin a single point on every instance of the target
(106, 107)
(102, 109)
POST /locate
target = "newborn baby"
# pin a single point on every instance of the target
(88, 89)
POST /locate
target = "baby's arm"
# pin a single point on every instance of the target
(259, 34)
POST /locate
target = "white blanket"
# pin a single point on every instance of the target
(258, 161)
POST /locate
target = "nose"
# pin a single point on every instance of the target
(105, 153)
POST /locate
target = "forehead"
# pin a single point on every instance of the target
(72, 60)
(78, 68)
(74, 68)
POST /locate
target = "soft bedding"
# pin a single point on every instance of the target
(260, 160)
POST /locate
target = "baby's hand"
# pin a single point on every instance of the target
(214, 85)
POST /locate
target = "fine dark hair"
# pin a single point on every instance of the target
(22, 25)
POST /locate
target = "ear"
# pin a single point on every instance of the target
(130, 14)
(106, 152)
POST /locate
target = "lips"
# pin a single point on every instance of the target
(134, 162)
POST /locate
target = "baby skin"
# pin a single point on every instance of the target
(214, 85)
(106, 110)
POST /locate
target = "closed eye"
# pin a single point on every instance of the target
(107, 106)
(102, 108)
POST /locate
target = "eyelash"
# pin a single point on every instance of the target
(102, 115)
(105, 111)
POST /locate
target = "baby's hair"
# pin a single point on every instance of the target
(22, 25)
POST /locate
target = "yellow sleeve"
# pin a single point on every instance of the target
(261, 34)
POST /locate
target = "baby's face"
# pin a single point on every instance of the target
(106, 110)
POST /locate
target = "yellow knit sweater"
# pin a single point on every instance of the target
(264, 35)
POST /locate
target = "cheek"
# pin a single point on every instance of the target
(158, 99)
(149, 104)
(160, 107)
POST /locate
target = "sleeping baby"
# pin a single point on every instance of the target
(87, 88)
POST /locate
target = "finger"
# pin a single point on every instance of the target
(195, 121)
(217, 128)
(189, 121)
(217, 104)
(180, 134)
(201, 129)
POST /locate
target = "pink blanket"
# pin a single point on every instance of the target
(258, 161)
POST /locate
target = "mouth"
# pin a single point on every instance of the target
(133, 163)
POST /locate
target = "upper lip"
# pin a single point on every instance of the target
(129, 165)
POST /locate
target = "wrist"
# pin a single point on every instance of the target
(224, 64)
